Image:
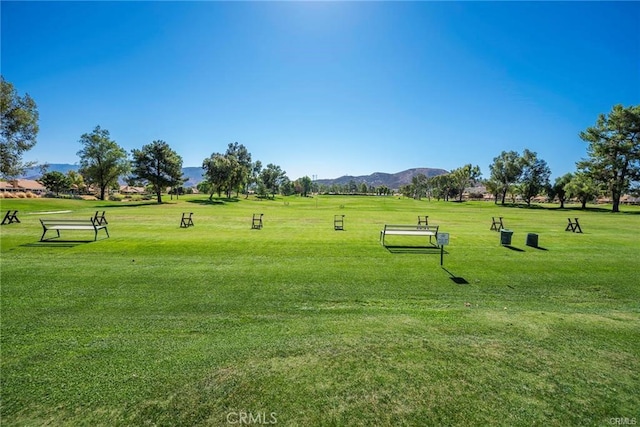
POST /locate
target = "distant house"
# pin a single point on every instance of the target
(5, 186)
(31, 185)
(23, 185)
(126, 189)
(629, 200)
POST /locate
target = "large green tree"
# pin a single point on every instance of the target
(18, 129)
(240, 158)
(535, 176)
(303, 185)
(442, 186)
(76, 181)
(229, 171)
(55, 181)
(102, 160)
(271, 178)
(494, 187)
(506, 170)
(614, 151)
(582, 187)
(558, 189)
(218, 170)
(420, 186)
(158, 165)
(465, 176)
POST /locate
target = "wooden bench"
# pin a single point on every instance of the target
(496, 224)
(187, 220)
(338, 222)
(100, 218)
(573, 226)
(72, 224)
(256, 221)
(408, 230)
(10, 217)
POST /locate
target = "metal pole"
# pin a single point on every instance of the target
(441, 254)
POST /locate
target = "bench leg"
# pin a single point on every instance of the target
(45, 232)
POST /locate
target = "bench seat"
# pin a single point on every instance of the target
(72, 224)
(408, 230)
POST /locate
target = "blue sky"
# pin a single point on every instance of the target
(325, 88)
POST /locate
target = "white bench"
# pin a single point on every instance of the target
(408, 230)
(72, 224)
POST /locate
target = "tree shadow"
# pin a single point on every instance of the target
(215, 201)
(129, 205)
(567, 208)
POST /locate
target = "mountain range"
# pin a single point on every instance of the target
(194, 176)
(390, 180)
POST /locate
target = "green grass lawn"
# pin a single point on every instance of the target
(300, 325)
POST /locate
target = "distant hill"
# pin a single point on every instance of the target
(390, 180)
(34, 173)
(194, 175)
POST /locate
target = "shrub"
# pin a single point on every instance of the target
(117, 197)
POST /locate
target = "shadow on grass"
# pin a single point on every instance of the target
(429, 250)
(130, 205)
(573, 209)
(513, 248)
(540, 248)
(456, 279)
(49, 243)
(217, 201)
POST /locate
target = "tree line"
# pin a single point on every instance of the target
(158, 167)
(612, 165)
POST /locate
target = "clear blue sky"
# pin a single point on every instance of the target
(325, 88)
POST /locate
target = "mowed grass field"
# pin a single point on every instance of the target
(300, 325)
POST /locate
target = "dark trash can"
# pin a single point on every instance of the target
(505, 236)
(532, 240)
